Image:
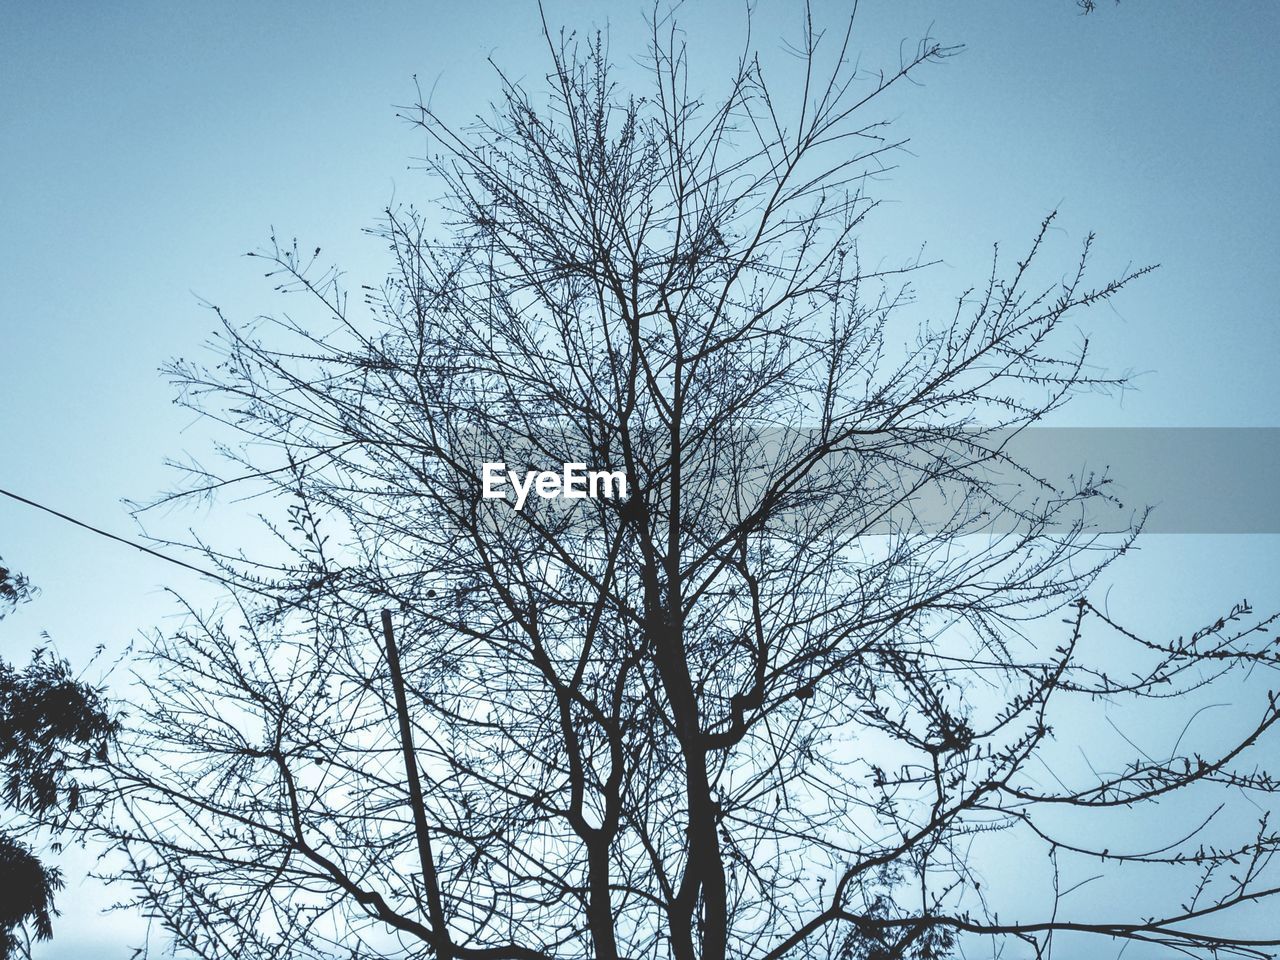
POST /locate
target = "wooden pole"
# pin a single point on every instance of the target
(435, 905)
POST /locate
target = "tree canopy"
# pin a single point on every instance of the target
(50, 723)
(770, 705)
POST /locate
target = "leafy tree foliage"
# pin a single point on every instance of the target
(14, 589)
(51, 725)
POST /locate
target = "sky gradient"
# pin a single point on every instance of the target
(148, 146)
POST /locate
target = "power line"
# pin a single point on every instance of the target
(130, 543)
(173, 560)
(235, 585)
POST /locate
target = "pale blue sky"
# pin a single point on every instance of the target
(146, 145)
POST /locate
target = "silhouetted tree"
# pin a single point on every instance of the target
(49, 723)
(14, 589)
(772, 704)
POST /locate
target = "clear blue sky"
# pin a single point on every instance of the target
(147, 145)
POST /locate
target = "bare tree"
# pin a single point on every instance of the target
(769, 704)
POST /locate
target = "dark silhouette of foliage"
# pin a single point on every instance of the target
(771, 705)
(28, 887)
(51, 727)
(50, 723)
(14, 589)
